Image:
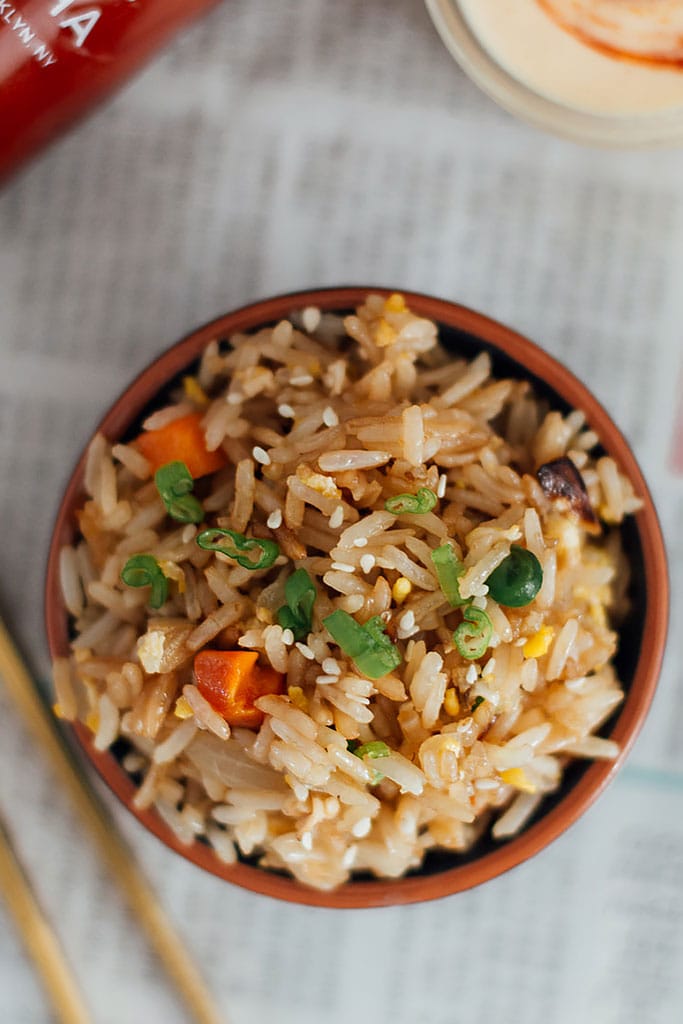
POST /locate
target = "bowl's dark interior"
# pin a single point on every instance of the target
(462, 343)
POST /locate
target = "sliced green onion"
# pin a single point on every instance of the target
(174, 484)
(416, 504)
(376, 748)
(474, 633)
(477, 701)
(517, 579)
(235, 545)
(449, 569)
(371, 650)
(297, 614)
(145, 571)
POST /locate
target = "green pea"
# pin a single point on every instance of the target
(517, 580)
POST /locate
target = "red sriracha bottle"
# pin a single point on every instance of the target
(58, 58)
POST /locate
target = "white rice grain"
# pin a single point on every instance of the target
(70, 580)
(204, 715)
(64, 688)
(176, 742)
(108, 725)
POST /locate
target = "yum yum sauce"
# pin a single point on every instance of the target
(601, 56)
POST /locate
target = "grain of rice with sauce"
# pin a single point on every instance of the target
(353, 749)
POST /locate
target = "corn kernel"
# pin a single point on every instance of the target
(194, 391)
(395, 303)
(298, 697)
(58, 711)
(517, 777)
(182, 708)
(539, 644)
(451, 702)
(93, 721)
(384, 334)
(401, 589)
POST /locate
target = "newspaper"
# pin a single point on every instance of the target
(278, 146)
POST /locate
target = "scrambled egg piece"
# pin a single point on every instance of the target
(298, 697)
(182, 708)
(195, 392)
(517, 777)
(384, 334)
(324, 485)
(93, 721)
(151, 650)
(173, 572)
(539, 644)
(395, 303)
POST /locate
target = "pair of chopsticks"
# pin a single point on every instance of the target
(38, 937)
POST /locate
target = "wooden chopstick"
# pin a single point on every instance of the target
(143, 903)
(39, 938)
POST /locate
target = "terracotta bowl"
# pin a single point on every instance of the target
(642, 636)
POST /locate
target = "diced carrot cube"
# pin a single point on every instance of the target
(231, 681)
(182, 440)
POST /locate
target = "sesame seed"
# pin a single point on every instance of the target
(261, 455)
(235, 398)
(274, 520)
(441, 486)
(310, 318)
(331, 666)
(337, 518)
(367, 562)
(360, 542)
(403, 634)
(471, 676)
(349, 857)
(406, 625)
(286, 411)
(330, 418)
(299, 377)
(326, 680)
(489, 668)
(306, 651)
(287, 637)
(407, 620)
(344, 566)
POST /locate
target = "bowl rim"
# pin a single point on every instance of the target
(416, 888)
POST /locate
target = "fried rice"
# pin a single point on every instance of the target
(319, 424)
